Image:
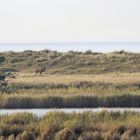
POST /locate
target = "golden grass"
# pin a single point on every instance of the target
(66, 79)
(114, 89)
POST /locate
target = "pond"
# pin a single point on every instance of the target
(41, 112)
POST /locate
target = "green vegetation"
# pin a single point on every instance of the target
(62, 126)
(3, 80)
(71, 62)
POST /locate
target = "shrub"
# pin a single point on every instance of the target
(26, 136)
(88, 52)
(65, 134)
(2, 59)
(46, 136)
(130, 133)
(91, 136)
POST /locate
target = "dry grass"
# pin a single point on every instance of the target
(110, 90)
(73, 126)
(66, 79)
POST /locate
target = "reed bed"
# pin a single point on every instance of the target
(68, 101)
(62, 126)
(57, 91)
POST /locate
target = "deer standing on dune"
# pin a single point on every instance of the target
(40, 70)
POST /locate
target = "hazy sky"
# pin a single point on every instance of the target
(25, 21)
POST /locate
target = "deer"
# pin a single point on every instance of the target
(40, 70)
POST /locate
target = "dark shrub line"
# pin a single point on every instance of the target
(77, 101)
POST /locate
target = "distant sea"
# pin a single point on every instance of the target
(95, 47)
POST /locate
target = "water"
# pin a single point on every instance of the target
(41, 112)
(96, 47)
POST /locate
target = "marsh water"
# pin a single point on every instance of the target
(41, 112)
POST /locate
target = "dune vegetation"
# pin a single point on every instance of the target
(70, 62)
(62, 126)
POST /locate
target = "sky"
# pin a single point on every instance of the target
(69, 21)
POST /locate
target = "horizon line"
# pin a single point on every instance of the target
(19, 51)
(68, 43)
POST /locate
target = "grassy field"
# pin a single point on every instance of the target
(62, 126)
(61, 91)
(72, 80)
(116, 78)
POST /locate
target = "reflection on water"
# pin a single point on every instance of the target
(41, 112)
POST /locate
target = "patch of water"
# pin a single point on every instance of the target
(41, 112)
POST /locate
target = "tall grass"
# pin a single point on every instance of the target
(25, 92)
(75, 101)
(78, 87)
(62, 126)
